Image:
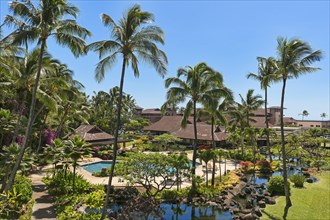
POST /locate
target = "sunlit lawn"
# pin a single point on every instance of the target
(311, 202)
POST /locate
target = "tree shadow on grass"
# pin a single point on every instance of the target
(269, 215)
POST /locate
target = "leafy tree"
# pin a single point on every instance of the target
(266, 75)
(132, 39)
(104, 108)
(206, 156)
(164, 140)
(39, 23)
(294, 59)
(198, 84)
(152, 171)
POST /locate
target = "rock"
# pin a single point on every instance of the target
(248, 217)
(257, 212)
(306, 173)
(269, 200)
(261, 204)
(244, 179)
(212, 204)
(246, 211)
(234, 210)
(309, 180)
(266, 193)
(248, 190)
(242, 194)
(260, 197)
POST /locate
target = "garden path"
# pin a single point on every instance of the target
(43, 207)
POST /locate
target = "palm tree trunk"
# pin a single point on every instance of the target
(59, 128)
(207, 175)
(115, 148)
(213, 159)
(21, 108)
(220, 168)
(74, 176)
(285, 175)
(193, 170)
(39, 144)
(267, 126)
(242, 141)
(30, 121)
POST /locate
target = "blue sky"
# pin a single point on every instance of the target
(227, 35)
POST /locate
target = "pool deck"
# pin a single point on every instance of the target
(119, 181)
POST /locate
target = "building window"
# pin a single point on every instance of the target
(300, 125)
(312, 125)
(317, 126)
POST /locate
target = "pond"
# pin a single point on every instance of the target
(181, 211)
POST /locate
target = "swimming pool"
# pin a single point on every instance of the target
(97, 166)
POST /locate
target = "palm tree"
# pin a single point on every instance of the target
(199, 85)
(206, 156)
(249, 104)
(75, 149)
(294, 59)
(215, 112)
(39, 23)
(304, 114)
(266, 75)
(323, 115)
(132, 39)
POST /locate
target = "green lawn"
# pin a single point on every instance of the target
(311, 202)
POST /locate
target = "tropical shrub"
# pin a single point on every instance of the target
(16, 199)
(276, 185)
(61, 183)
(298, 180)
(95, 199)
(246, 165)
(264, 166)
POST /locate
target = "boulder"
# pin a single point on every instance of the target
(249, 216)
(262, 204)
(257, 212)
(244, 179)
(212, 204)
(246, 211)
(269, 200)
(309, 180)
(234, 210)
(260, 197)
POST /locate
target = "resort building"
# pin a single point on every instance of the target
(172, 125)
(95, 136)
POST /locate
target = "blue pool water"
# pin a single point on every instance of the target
(97, 166)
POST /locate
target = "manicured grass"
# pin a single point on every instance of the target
(310, 202)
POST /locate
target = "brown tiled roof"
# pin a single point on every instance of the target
(151, 111)
(260, 122)
(172, 125)
(91, 133)
(203, 133)
(289, 120)
(165, 124)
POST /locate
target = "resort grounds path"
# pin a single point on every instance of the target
(43, 207)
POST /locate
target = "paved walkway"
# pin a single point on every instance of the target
(43, 207)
